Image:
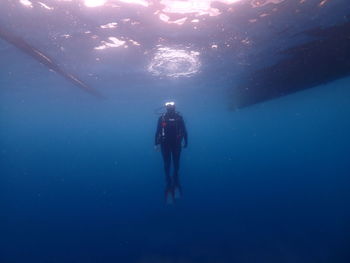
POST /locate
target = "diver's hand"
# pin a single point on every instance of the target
(156, 147)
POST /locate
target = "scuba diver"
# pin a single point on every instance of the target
(170, 134)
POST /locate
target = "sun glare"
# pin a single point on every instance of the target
(94, 3)
(139, 2)
(26, 3)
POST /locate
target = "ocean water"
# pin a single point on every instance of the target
(80, 180)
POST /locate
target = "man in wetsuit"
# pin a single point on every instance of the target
(170, 134)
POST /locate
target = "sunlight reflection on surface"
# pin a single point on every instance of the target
(196, 7)
(114, 42)
(174, 63)
(203, 7)
(122, 25)
(45, 6)
(109, 25)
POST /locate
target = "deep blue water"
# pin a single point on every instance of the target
(270, 183)
(80, 180)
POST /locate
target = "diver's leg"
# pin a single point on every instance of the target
(176, 152)
(166, 158)
(166, 153)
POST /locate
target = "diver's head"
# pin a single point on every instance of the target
(170, 106)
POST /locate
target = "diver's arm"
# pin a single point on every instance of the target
(156, 138)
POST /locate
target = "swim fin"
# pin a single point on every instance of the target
(177, 191)
(169, 196)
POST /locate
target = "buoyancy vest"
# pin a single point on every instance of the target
(170, 127)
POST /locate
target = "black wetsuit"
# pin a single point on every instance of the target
(171, 131)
